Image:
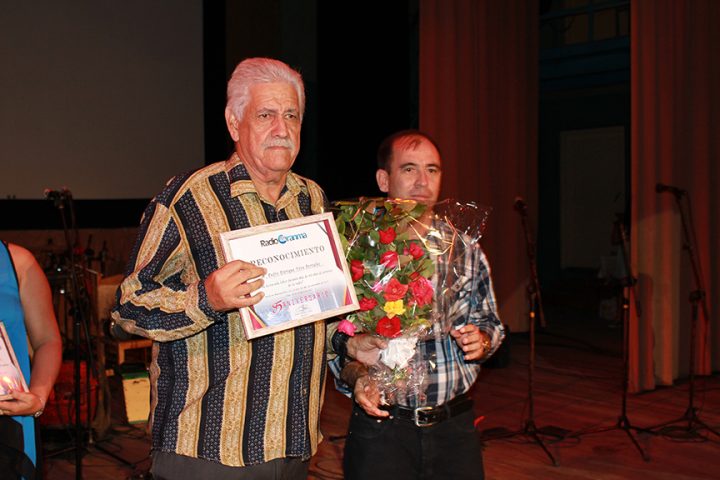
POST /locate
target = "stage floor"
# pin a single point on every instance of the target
(577, 388)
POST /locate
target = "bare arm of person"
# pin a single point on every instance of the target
(36, 299)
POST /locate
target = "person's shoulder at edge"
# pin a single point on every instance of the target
(23, 259)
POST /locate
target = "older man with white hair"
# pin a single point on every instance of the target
(223, 406)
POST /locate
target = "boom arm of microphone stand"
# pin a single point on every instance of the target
(690, 239)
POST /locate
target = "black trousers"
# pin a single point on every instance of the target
(396, 449)
(170, 466)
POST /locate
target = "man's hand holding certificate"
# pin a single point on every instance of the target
(306, 275)
(228, 287)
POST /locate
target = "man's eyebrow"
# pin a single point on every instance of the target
(407, 164)
(413, 164)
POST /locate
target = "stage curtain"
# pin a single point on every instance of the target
(478, 87)
(675, 140)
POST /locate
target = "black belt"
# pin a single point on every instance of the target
(427, 416)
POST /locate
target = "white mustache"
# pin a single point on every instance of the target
(279, 142)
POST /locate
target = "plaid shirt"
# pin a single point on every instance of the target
(465, 271)
(216, 395)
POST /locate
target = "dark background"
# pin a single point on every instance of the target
(359, 61)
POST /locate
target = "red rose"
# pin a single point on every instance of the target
(357, 270)
(367, 303)
(416, 250)
(394, 290)
(388, 327)
(389, 259)
(387, 235)
(422, 291)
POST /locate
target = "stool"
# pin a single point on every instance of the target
(124, 345)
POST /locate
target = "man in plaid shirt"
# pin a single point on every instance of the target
(430, 435)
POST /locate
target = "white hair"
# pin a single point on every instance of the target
(252, 71)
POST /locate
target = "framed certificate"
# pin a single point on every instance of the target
(307, 276)
(11, 377)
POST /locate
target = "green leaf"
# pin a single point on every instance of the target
(360, 290)
(418, 211)
(374, 236)
(404, 260)
(427, 268)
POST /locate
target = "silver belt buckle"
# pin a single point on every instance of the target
(416, 417)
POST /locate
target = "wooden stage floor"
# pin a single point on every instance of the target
(577, 388)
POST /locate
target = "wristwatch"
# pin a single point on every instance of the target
(42, 409)
(486, 343)
(339, 344)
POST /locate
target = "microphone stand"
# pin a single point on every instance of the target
(79, 304)
(529, 428)
(697, 300)
(628, 283)
(60, 200)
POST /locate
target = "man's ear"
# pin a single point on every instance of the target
(383, 180)
(232, 124)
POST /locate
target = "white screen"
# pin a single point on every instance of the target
(102, 97)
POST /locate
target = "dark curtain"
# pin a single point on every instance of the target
(479, 99)
(675, 140)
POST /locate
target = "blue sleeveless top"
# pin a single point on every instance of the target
(11, 314)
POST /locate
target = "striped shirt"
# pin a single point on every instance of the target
(216, 395)
(465, 271)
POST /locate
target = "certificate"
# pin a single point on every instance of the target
(11, 377)
(307, 276)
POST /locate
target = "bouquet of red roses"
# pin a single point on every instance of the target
(392, 271)
(409, 264)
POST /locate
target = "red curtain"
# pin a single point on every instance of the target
(479, 100)
(675, 140)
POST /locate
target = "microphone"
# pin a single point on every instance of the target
(662, 188)
(57, 196)
(520, 205)
(51, 194)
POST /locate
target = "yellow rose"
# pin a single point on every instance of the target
(394, 308)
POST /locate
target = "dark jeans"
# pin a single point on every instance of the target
(170, 466)
(396, 449)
